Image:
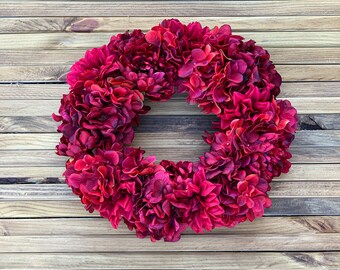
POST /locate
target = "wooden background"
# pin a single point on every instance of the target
(43, 226)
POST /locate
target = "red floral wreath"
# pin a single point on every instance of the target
(224, 75)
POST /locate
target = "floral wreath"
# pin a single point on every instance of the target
(223, 75)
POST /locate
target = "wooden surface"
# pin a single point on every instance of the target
(43, 226)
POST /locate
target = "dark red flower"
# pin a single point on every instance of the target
(224, 75)
(160, 210)
(205, 211)
(235, 70)
(93, 178)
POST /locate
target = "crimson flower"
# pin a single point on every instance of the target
(221, 73)
(204, 210)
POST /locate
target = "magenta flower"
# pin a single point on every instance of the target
(235, 70)
(221, 73)
(200, 58)
(160, 210)
(93, 178)
(205, 211)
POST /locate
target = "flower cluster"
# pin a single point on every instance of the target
(221, 73)
(175, 198)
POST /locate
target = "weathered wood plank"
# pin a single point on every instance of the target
(48, 192)
(89, 226)
(27, 124)
(109, 24)
(309, 72)
(149, 123)
(307, 172)
(257, 242)
(161, 138)
(31, 108)
(304, 105)
(319, 121)
(304, 206)
(169, 8)
(58, 208)
(55, 91)
(316, 155)
(47, 175)
(305, 189)
(68, 57)
(44, 209)
(303, 138)
(52, 73)
(173, 260)
(46, 57)
(42, 41)
(45, 91)
(304, 55)
(298, 45)
(42, 175)
(28, 141)
(57, 73)
(36, 192)
(47, 158)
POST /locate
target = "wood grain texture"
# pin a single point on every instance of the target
(173, 260)
(42, 41)
(169, 8)
(51, 73)
(281, 207)
(47, 192)
(18, 91)
(102, 243)
(304, 105)
(181, 123)
(53, 175)
(164, 138)
(90, 225)
(110, 24)
(47, 158)
(69, 56)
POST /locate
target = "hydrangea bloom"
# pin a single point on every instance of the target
(221, 73)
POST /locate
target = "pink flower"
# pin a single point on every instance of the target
(205, 211)
(91, 69)
(154, 37)
(200, 58)
(252, 191)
